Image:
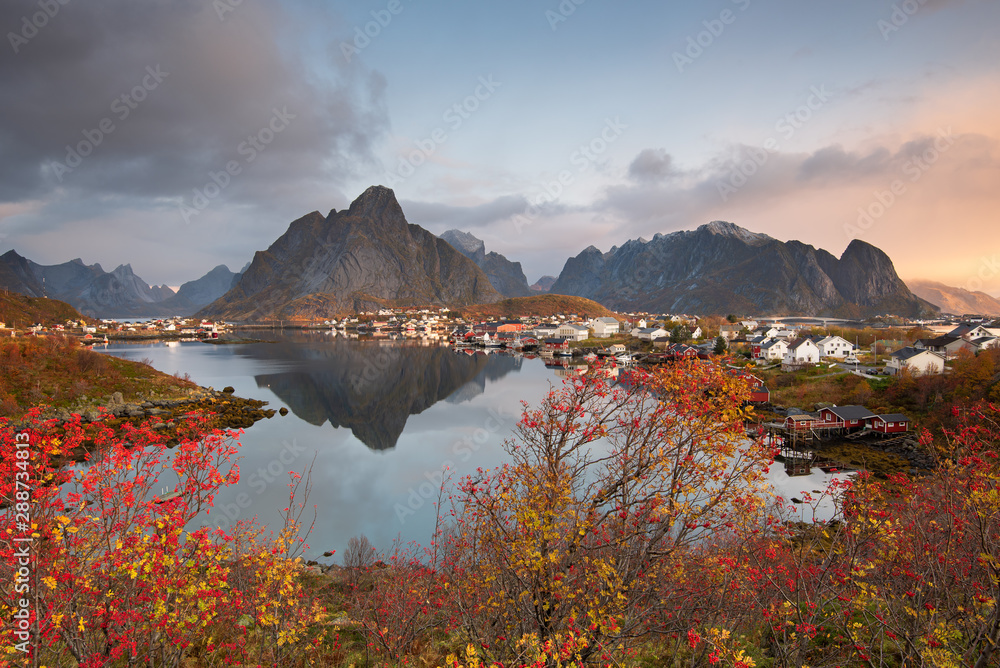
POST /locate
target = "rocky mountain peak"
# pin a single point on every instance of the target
(465, 242)
(726, 229)
(505, 276)
(377, 202)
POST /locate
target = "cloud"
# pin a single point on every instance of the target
(441, 217)
(161, 95)
(652, 164)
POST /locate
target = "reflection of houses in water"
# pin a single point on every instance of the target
(802, 462)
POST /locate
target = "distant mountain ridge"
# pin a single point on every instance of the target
(364, 258)
(543, 284)
(957, 301)
(722, 268)
(506, 276)
(116, 294)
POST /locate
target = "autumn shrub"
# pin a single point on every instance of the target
(611, 487)
(117, 577)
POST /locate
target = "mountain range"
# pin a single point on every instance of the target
(505, 276)
(369, 257)
(721, 268)
(116, 294)
(957, 301)
(366, 257)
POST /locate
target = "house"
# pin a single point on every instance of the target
(676, 350)
(853, 417)
(755, 343)
(730, 332)
(546, 331)
(649, 333)
(573, 332)
(696, 333)
(892, 423)
(617, 349)
(759, 394)
(969, 331)
(985, 342)
(801, 351)
(510, 326)
(773, 349)
(661, 342)
(525, 342)
(919, 362)
(605, 327)
(553, 344)
(800, 422)
(834, 346)
(944, 345)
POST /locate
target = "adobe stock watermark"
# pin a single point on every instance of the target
(31, 25)
(900, 16)
(224, 7)
(275, 471)
(582, 158)
(786, 126)
(462, 449)
(914, 169)
(374, 368)
(121, 108)
(562, 12)
(988, 268)
(249, 149)
(363, 35)
(454, 117)
(698, 43)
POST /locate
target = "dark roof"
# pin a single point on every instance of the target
(938, 341)
(908, 352)
(851, 412)
(894, 417)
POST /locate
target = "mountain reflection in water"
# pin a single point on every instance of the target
(373, 387)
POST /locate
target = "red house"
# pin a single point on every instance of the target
(893, 423)
(759, 394)
(799, 422)
(853, 417)
(556, 344)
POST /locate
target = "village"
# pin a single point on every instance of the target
(570, 344)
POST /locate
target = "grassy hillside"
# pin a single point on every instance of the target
(58, 371)
(540, 305)
(25, 311)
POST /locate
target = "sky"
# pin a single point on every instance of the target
(176, 135)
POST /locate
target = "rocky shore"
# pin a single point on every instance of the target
(224, 408)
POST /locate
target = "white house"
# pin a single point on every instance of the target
(968, 331)
(545, 331)
(605, 327)
(730, 332)
(834, 346)
(573, 332)
(696, 334)
(919, 362)
(801, 351)
(650, 333)
(986, 342)
(773, 349)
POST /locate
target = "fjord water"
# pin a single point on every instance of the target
(378, 421)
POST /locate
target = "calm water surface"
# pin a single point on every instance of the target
(378, 422)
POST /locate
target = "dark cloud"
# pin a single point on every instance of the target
(652, 164)
(441, 217)
(198, 87)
